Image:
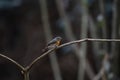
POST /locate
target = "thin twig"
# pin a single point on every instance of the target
(89, 39)
(38, 58)
(51, 50)
(102, 70)
(69, 43)
(13, 61)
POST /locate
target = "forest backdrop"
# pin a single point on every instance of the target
(27, 25)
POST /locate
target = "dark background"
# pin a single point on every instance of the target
(23, 36)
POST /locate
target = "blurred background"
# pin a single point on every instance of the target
(27, 25)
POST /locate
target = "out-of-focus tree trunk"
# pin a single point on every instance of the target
(116, 55)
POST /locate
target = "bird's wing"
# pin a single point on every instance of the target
(51, 42)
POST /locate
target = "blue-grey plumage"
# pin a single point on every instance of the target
(55, 41)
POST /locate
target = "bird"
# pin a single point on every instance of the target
(55, 42)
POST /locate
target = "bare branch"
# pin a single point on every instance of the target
(102, 70)
(38, 58)
(69, 43)
(89, 39)
(51, 50)
(13, 61)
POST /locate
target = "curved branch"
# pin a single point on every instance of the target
(51, 50)
(69, 43)
(38, 58)
(13, 61)
(72, 42)
(88, 39)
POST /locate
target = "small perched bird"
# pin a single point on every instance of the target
(53, 43)
(56, 41)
